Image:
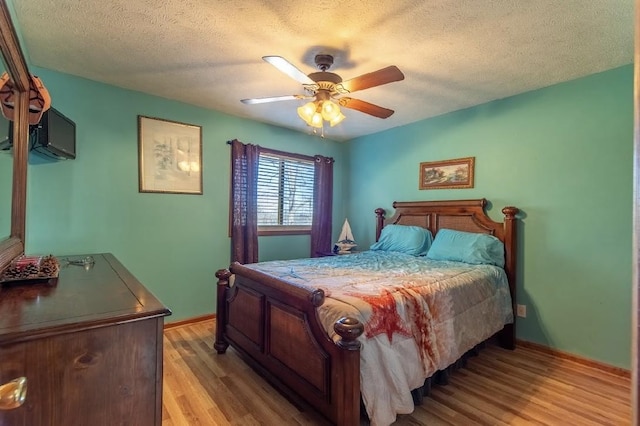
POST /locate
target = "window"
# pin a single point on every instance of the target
(285, 193)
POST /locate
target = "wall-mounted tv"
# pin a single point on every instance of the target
(53, 138)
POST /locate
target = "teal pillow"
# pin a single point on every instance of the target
(412, 240)
(467, 247)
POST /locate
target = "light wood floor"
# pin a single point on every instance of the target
(498, 387)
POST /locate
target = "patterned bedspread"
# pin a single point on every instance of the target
(420, 315)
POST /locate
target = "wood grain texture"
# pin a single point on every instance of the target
(90, 348)
(499, 387)
(82, 299)
(86, 377)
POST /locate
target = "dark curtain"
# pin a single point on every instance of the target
(322, 206)
(244, 202)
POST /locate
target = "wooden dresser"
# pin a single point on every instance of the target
(90, 347)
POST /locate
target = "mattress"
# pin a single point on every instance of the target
(420, 315)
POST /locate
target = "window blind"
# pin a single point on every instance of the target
(285, 191)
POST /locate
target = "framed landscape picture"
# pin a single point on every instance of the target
(170, 156)
(447, 174)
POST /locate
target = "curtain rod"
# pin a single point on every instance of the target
(284, 153)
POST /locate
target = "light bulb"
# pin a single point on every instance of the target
(316, 120)
(330, 110)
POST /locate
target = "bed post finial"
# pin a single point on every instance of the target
(317, 297)
(510, 212)
(379, 221)
(349, 329)
(221, 344)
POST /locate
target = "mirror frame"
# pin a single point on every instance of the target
(16, 66)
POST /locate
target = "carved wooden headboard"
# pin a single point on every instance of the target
(461, 215)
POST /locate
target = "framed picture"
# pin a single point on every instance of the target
(170, 156)
(447, 174)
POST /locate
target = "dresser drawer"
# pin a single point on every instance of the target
(103, 376)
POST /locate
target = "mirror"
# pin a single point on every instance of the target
(13, 244)
(6, 176)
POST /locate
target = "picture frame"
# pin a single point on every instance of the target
(447, 174)
(170, 156)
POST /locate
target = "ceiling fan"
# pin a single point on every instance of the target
(326, 90)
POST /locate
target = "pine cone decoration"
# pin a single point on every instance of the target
(31, 267)
(49, 266)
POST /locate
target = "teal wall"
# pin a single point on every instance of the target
(563, 155)
(172, 243)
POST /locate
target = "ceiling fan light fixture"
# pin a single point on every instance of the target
(316, 120)
(306, 111)
(324, 87)
(337, 119)
(316, 112)
(330, 110)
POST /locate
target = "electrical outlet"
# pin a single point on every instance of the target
(522, 311)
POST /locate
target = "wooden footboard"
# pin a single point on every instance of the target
(274, 325)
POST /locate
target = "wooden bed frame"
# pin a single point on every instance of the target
(274, 325)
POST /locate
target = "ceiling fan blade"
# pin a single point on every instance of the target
(372, 79)
(366, 107)
(288, 68)
(253, 101)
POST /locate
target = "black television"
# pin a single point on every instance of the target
(55, 136)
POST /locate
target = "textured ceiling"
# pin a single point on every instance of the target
(454, 53)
